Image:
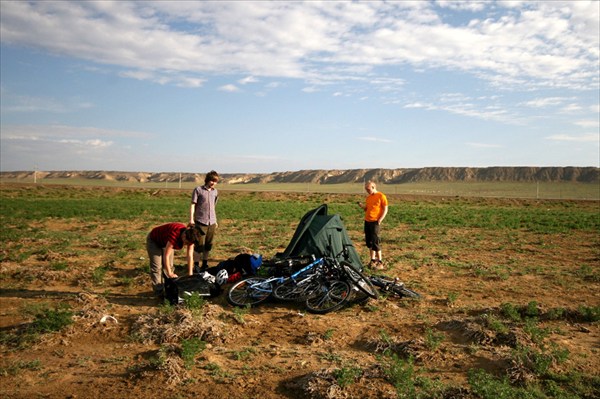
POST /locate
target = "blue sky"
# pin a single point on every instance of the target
(259, 86)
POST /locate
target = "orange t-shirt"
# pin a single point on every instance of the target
(375, 204)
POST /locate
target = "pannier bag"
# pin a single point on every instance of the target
(177, 290)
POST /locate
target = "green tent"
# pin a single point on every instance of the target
(315, 232)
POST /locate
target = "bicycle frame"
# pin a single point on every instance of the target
(280, 280)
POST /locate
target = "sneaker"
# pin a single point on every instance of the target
(372, 263)
(379, 265)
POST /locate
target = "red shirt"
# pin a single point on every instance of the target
(170, 232)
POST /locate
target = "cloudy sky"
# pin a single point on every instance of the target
(259, 86)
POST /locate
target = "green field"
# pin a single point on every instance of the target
(509, 308)
(536, 190)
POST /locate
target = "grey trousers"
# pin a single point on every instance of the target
(155, 255)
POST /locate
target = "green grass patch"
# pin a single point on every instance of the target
(45, 319)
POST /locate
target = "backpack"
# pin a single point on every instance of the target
(245, 264)
(177, 290)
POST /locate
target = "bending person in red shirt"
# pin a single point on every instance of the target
(376, 208)
(161, 244)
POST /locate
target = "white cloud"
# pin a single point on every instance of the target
(164, 78)
(31, 104)
(471, 5)
(571, 109)
(547, 43)
(60, 132)
(416, 105)
(229, 88)
(588, 123)
(190, 82)
(60, 147)
(484, 145)
(94, 143)
(591, 137)
(544, 102)
(374, 139)
(247, 80)
(456, 104)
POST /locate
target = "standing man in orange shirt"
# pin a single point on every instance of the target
(376, 208)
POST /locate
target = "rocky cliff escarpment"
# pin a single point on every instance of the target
(317, 176)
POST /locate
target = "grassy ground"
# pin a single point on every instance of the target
(510, 309)
(533, 190)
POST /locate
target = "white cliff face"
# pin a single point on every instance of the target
(390, 176)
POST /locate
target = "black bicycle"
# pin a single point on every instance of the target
(392, 286)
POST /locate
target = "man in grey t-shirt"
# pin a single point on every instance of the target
(203, 215)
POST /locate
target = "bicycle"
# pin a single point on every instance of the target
(325, 284)
(356, 277)
(255, 290)
(314, 284)
(393, 286)
(359, 280)
(330, 287)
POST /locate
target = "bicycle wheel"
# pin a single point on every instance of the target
(250, 291)
(394, 287)
(405, 292)
(332, 295)
(360, 280)
(291, 290)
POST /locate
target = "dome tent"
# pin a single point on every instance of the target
(316, 232)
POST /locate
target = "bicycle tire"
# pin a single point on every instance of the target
(360, 280)
(291, 290)
(406, 292)
(247, 293)
(390, 286)
(332, 295)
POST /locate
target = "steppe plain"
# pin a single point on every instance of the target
(510, 301)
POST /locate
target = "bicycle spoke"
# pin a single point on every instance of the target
(251, 292)
(331, 296)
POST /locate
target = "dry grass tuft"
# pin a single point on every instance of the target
(320, 384)
(92, 309)
(415, 348)
(181, 323)
(172, 365)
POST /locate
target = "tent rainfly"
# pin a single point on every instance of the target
(315, 232)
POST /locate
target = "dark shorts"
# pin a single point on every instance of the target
(205, 242)
(372, 235)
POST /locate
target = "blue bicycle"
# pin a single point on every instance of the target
(318, 284)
